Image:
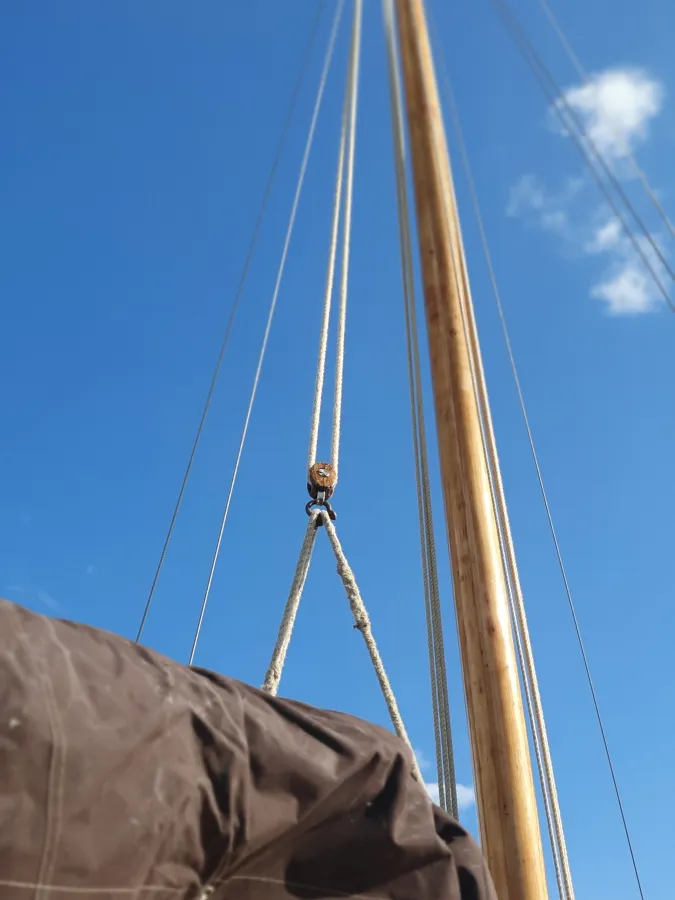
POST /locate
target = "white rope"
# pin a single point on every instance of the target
(436, 647)
(359, 611)
(276, 666)
(345, 175)
(270, 316)
(328, 293)
(349, 189)
(361, 621)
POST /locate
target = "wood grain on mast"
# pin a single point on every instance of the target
(505, 788)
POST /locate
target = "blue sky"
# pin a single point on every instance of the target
(136, 143)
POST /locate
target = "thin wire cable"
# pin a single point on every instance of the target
(581, 139)
(347, 226)
(240, 287)
(561, 100)
(517, 611)
(517, 614)
(583, 74)
(268, 327)
(406, 252)
(440, 703)
(507, 551)
(542, 488)
(395, 99)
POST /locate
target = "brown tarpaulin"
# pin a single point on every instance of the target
(124, 774)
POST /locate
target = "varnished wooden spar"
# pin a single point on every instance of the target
(502, 768)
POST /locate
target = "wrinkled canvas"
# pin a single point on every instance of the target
(126, 775)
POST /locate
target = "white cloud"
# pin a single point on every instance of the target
(48, 600)
(422, 760)
(466, 796)
(529, 199)
(527, 195)
(627, 292)
(605, 237)
(626, 286)
(615, 108)
(37, 594)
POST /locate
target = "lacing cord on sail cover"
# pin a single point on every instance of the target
(584, 143)
(524, 649)
(233, 312)
(583, 74)
(270, 317)
(447, 786)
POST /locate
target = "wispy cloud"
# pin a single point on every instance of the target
(48, 600)
(616, 109)
(33, 594)
(433, 792)
(422, 761)
(530, 200)
(466, 797)
(626, 285)
(90, 570)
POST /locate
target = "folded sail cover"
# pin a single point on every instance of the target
(124, 774)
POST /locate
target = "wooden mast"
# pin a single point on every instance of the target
(506, 798)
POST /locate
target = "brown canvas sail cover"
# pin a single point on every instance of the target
(124, 774)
